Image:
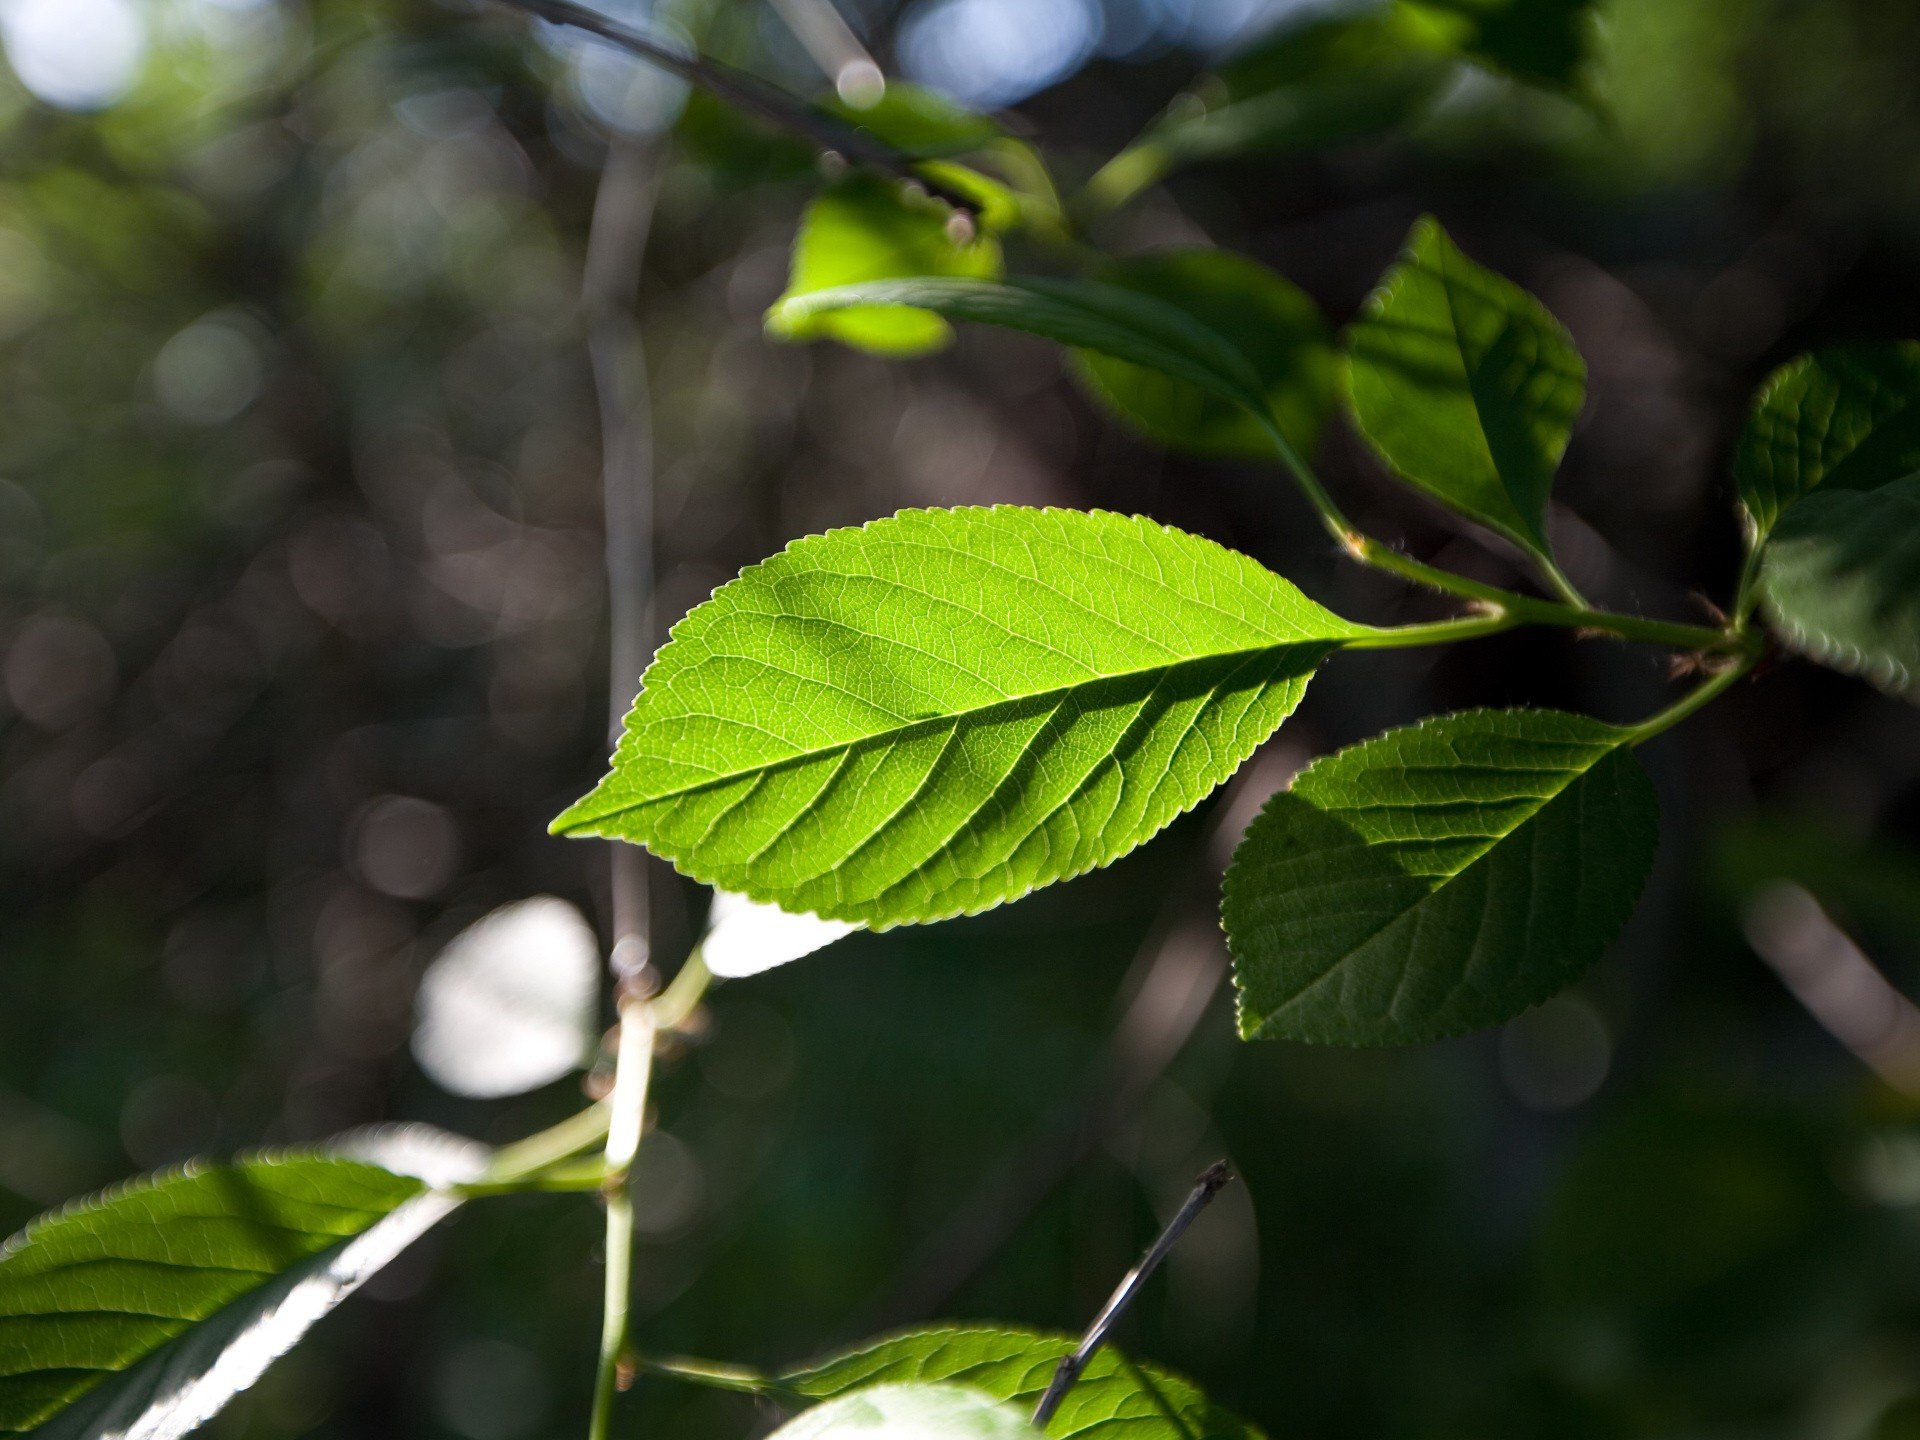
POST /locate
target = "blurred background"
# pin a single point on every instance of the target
(302, 643)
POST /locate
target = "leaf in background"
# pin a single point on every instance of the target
(918, 121)
(1322, 81)
(1263, 315)
(1084, 314)
(1841, 581)
(1544, 41)
(1846, 418)
(1466, 386)
(1438, 878)
(745, 937)
(144, 1310)
(941, 711)
(510, 1004)
(910, 1412)
(1115, 1398)
(867, 228)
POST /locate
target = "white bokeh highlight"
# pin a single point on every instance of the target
(75, 54)
(745, 937)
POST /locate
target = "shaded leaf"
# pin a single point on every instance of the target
(1084, 314)
(1841, 581)
(1438, 878)
(868, 228)
(510, 1003)
(1116, 1398)
(1264, 316)
(1846, 418)
(1466, 386)
(143, 1311)
(1545, 41)
(909, 1412)
(941, 711)
(745, 937)
(918, 121)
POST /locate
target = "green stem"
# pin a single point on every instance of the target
(1115, 183)
(627, 1116)
(1558, 582)
(548, 1148)
(711, 1373)
(1695, 699)
(1438, 632)
(613, 1325)
(683, 995)
(1746, 593)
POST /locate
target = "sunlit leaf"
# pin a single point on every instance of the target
(941, 711)
(910, 1412)
(1841, 581)
(745, 937)
(1846, 418)
(1084, 314)
(510, 1004)
(144, 1310)
(868, 228)
(1438, 878)
(1115, 1398)
(1466, 386)
(1265, 317)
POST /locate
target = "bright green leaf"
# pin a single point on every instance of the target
(1466, 386)
(1438, 878)
(1264, 316)
(1084, 314)
(1845, 418)
(868, 228)
(1544, 41)
(145, 1309)
(1115, 1398)
(941, 711)
(910, 1412)
(1841, 580)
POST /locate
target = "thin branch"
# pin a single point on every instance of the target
(825, 35)
(1212, 1181)
(751, 94)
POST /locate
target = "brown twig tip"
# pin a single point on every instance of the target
(1215, 1178)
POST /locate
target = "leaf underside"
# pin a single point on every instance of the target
(1841, 581)
(1115, 1398)
(1846, 418)
(946, 709)
(1466, 386)
(91, 1292)
(1438, 878)
(909, 1412)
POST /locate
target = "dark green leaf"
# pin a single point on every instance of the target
(145, 1309)
(1438, 878)
(910, 1412)
(868, 228)
(919, 122)
(1115, 1399)
(1268, 319)
(1841, 580)
(1466, 386)
(1846, 418)
(1544, 41)
(943, 710)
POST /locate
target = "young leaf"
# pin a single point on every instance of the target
(1084, 314)
(865, 228)
(511, 1003)
(143, 1311)
(1846, 418)
(1268, 319)
(1114, 1399)
(910, 1412)
(1841, 580)
(1466, 386)
(1544, 41)
(1438, 878)
(944, 710)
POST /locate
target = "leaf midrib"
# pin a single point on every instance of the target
(1494, 843)
(571, 822)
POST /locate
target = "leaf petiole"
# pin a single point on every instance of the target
(1695, 699)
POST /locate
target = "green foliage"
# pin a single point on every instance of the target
(1265, 317)
(1083, 314)
(917, 121)
(867, 228)
(1115, 1397)
(202, 1258)
(1437, 878)
(1543, 41)
(1841, 579)
(910, 1412)
(1466, 386)
(1842, 418)
(943, 710)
